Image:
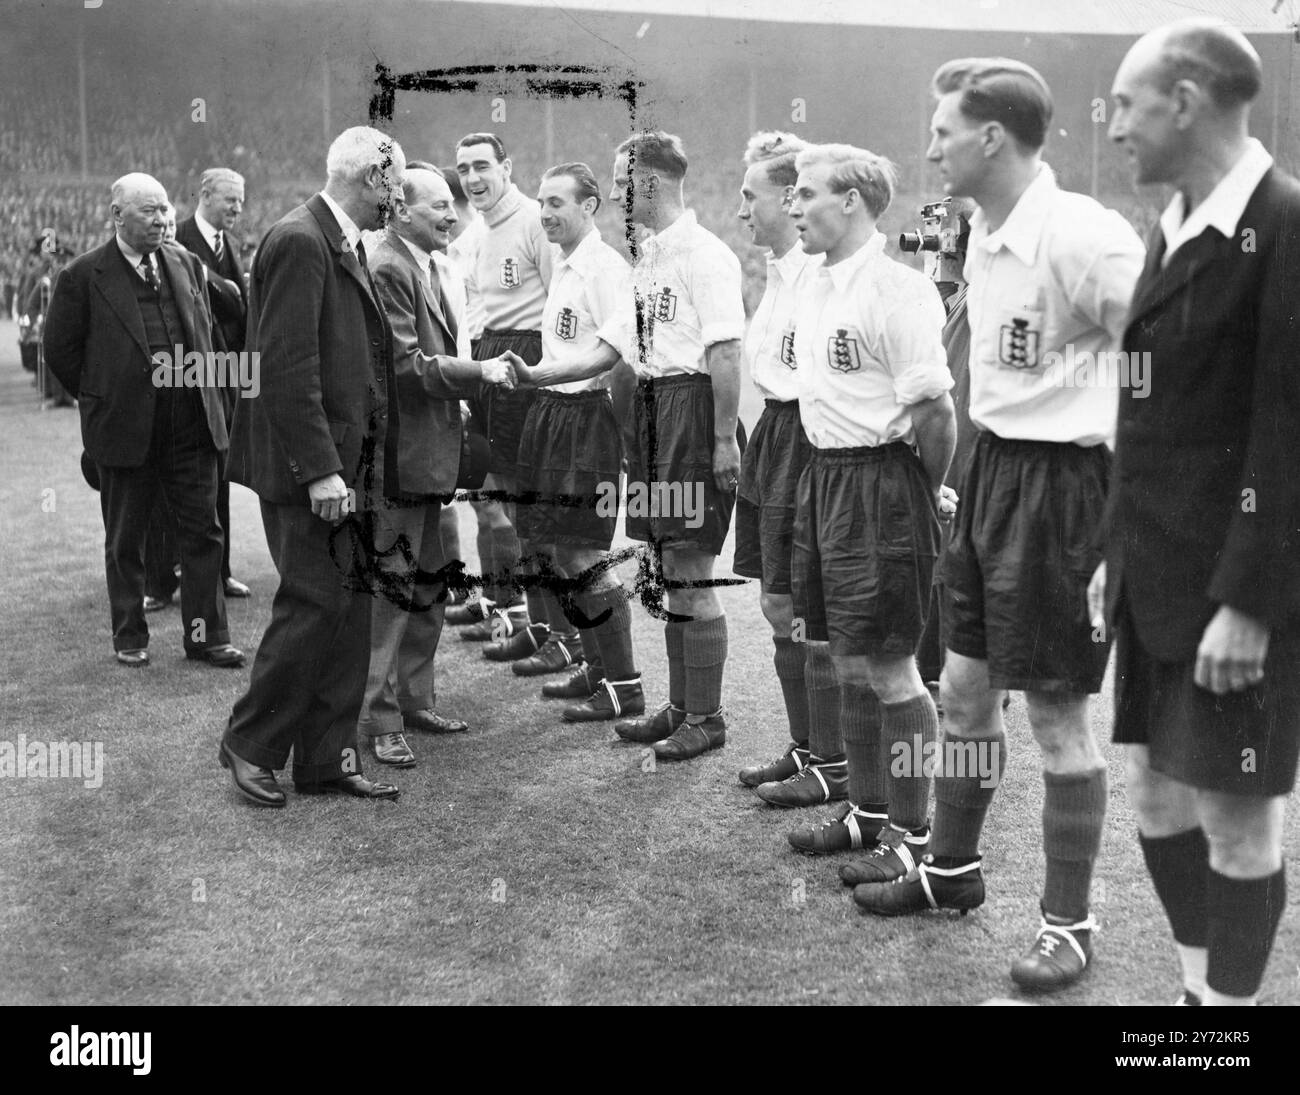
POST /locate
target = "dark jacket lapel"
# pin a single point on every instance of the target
(333, 232)
(182, 292)
(111, 273)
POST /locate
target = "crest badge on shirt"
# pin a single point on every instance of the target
(787, 349)
(842, 350)
(566, 324)
(1018, 344)
(510, 277)
(665, 305)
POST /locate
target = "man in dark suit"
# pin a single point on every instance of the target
(119, 316)
(221, 200)
(1202, 571)
(312, 447)
(423, 460)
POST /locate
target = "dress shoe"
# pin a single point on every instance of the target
(133, 658)
(236, 588)
(392, 749)
(609, 701)
(431, 722)
(693, 739)
(255, 784)
(357, 786)
(521, 644)
(555, 655)
(578, 685)
(223, 656)
(791, 762)
(651, 728)
(156, 604)
(1057, 958)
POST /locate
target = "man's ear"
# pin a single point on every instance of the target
(992, 137)
(652, 185)
(507, 166)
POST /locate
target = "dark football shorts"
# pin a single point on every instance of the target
(1024, 547)
(777, 453)
(671, 496)
(500, 414)
(1241, 743)
(866, 537)
(570, 460)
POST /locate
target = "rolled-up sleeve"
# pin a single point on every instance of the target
(716, 292)
(913, 350)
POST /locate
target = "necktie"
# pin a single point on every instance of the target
(219, 247)
(361, 256)
(150, 273)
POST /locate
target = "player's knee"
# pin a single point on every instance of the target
(1244, 833)
(1163, 807)
(894, 680)
(778, 610)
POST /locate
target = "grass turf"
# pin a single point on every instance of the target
(527, 861)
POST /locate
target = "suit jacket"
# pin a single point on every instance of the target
(325, 358)
(1204, 507)
(229, 309)
(96, 344)
(424, 450)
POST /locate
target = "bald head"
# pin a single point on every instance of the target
(1212, 55)
(426, 214)
(139, 207)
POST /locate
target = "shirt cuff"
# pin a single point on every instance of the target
(918, 383)
(713, 333)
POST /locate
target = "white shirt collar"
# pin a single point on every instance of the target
(1223, 207)
(841, 273)
(423, 258)
(1023, 228)
(680, 228)
(208, 232)
(788, 265)
(351, 232)
(132, 255)
(578, 257)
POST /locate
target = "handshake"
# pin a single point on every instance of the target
(508, 371)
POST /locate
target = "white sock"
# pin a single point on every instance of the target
(1214, 999)
(1194, 960)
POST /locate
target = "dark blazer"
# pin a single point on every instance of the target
(95, 343)
(325, 358)
(229, 308)
(425, 448)
(1204, 506)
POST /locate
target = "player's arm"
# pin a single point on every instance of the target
(935, 422)
(912, 349)
(64, 337)
(715, 283)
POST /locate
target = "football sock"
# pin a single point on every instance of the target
(704, 654)
(823, 705)
(487, 561)
(961, 802)
(1243, 915)
(591, 653)
(505, 564)
(789, 660)
(561, 627)
(914, 724)
(673, 640)
(1074, 810)
(614, 636)
(1179, 866)
(860, 716)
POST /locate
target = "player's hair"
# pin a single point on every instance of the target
(458, 194)
(852, 168)
(778, 151)
(655, 150)
(498, 149)
(1213, 55)
(997, 89)
(213, 176)
(584, 182)
(421, 165)
(355, 151)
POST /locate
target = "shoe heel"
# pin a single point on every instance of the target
(221, 756)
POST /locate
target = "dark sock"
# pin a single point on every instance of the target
(505, 560)
(1179, 867)
(673, 640)
(823, 704)
(860, 717)
(591, 654)
(914, 724)
(1074, 811)
(1243, 915)
(789, 659)
(704, 654)
(560, 625)
(961, 801)
(487, 561)
(614, 636)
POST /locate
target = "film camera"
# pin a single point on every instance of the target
(945, 227)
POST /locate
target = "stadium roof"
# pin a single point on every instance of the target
(1128, 17)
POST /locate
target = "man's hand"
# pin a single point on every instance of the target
(1232, 651)
(521, 374)
(1097, 596)
(726, 464)
(500, 370)
(945, 500)
(330, 499)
